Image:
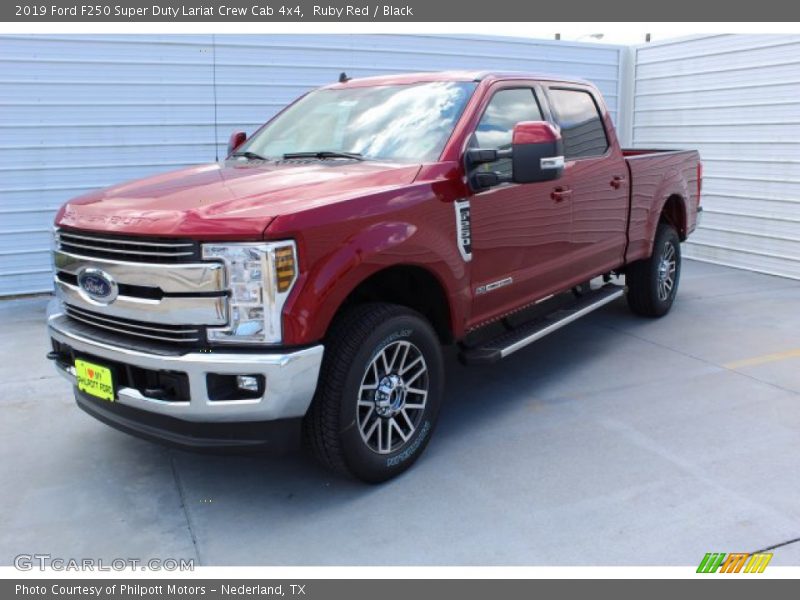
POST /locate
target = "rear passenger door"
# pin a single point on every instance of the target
(597, 178)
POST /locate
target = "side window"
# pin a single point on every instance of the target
(505, 109)
(580, 122)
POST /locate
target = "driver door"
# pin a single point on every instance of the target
(520, 232)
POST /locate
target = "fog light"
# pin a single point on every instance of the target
(235, 387)
(248, 383)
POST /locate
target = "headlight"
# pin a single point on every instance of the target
(260, 277)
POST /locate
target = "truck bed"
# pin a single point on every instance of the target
(657, 176)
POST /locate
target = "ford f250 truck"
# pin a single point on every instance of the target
(307, 283)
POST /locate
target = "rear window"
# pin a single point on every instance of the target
(581, 124)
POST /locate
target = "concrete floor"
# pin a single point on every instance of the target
(616, 441)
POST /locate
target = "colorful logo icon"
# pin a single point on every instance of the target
(735, 562)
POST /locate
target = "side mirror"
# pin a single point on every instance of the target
(237, 139)
(537, 152)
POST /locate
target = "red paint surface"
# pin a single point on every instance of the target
(237, 139)
(352, 219)
(535, 132)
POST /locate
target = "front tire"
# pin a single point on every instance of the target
(379, 392)
(653, 282)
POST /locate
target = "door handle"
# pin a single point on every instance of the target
(617, 181)
(561, 193)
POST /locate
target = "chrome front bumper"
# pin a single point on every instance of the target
(291, 377)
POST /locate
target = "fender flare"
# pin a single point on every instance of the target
(671, 187)
(322, 291)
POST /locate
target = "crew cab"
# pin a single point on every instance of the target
(306, 284)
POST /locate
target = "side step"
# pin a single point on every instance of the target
(511, 341)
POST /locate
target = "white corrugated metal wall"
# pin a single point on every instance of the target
(80, 112)
(736, 98)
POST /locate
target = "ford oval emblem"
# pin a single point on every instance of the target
(98, 285)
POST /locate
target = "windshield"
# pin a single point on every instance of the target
(407, 123)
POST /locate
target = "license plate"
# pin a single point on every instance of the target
(94, 379)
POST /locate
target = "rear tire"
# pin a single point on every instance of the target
(653, 282)
(379, 392)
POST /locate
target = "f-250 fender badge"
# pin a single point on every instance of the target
(463, 229)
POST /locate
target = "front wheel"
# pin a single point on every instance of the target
(653, 282)
(379, 392)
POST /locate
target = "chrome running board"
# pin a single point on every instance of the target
(527, 333)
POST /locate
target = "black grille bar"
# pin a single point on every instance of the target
(164, 333)
(129, 249)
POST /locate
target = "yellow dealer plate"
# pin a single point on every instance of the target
(94, 379)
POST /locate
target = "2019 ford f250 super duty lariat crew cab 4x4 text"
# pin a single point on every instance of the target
(308, 281)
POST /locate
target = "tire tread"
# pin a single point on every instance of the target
(344, 340)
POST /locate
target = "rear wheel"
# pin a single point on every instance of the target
(653, 282)
(379, 392)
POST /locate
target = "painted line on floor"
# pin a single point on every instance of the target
(760, 360)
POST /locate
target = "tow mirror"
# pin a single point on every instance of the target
(237, 139)
(536, 154)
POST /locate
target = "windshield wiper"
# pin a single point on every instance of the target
(250, 155)
(323, 154)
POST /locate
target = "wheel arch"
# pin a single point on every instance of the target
(417, 265)
(673, 211)
(409, 285)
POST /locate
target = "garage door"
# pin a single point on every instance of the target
(81, 112)
(737, 99)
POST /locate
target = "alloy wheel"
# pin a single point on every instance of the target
(392, 397)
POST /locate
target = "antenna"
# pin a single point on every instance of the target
(343, 78)
(214, 88)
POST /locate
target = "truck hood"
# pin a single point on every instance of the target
(228, 200)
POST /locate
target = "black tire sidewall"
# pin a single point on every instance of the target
(361, 460)
(666, 235)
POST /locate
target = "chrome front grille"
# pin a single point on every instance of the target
(165, 292)
(184, 334)
(129, 249)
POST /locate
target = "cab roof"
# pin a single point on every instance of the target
(408, 78)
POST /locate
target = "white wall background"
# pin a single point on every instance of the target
(736, 98)
(81, 112)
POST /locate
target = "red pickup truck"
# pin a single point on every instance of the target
(307, 283)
